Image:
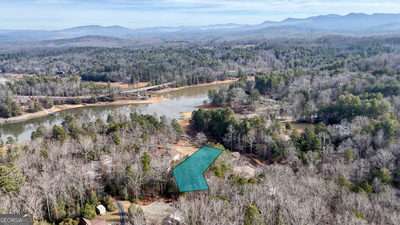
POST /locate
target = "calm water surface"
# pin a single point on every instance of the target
(184, 100)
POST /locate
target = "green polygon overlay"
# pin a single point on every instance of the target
(189, 174)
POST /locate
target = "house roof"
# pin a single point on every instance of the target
(189, 174)
(84, 221)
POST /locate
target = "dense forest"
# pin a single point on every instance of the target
(190, 64)
(68, 169)
(321, 115)
(72, 71)
(350, 141)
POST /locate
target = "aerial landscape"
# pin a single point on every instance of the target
(190, 112)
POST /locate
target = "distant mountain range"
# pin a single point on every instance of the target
(355, 24)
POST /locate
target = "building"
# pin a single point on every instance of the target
(101, 210)
(84, 221)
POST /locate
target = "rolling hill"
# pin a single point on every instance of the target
(355, 24)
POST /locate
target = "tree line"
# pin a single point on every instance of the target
(68, 169)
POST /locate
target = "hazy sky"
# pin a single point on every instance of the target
(56, 14)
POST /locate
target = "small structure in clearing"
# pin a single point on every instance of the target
(189, 174)
(101, 210)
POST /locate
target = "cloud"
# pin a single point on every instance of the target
(255, 6)
(144, 13)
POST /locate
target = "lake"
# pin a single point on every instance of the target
(184, 100)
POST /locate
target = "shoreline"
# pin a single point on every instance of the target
(169, 90)
(59, 108)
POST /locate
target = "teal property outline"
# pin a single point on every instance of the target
(202, 172)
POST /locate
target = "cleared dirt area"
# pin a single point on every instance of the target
(123, 86)
(114, 216)
(184, 148)
(14, 76)
(208, 106)
(184, 121)
(157, 211)
(154, 211)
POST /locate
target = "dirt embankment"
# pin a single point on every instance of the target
(123, 86)
(166, 90)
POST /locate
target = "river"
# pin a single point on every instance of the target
(184, 100)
